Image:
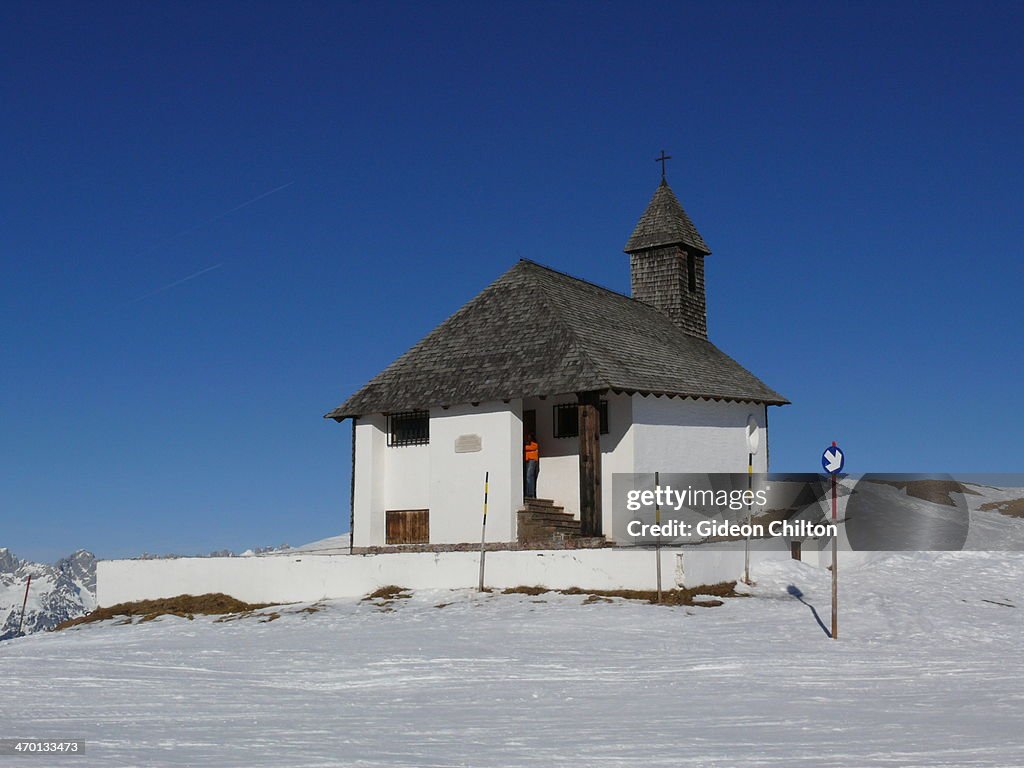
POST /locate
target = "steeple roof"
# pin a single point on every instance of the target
(665, 223)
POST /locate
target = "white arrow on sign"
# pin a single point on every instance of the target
(835, 459)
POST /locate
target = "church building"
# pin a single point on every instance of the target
(607, 383)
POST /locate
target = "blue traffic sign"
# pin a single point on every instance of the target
(833, 459)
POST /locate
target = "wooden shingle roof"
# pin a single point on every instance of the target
(536, 331)
(665, 223)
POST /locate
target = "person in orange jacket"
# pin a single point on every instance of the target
(531, 465)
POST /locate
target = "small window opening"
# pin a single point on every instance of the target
(409, 428)
(566, 419)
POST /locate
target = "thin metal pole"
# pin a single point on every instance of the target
(352, 493)
(835, 566)
(746, 550)
(24, 603)
(483, 533)
(657, 540)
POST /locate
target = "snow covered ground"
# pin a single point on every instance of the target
(928, 671)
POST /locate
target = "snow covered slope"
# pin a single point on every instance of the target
(927, 672)
(59, 592)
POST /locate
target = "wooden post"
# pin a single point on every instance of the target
(24, 602)
(589, 410)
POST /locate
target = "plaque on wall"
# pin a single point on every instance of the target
(468, 444)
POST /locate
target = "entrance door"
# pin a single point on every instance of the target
(529, 428)
(529, 422)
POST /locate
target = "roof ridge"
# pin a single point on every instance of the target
(592, 284)
(546, 268)
(563, 325)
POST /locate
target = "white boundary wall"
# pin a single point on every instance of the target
(307, 578)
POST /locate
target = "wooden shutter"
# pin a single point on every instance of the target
(407, 526)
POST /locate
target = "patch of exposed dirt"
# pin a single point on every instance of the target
(1012, 508)
(532, 591)
(668, 596)
(385, 597)
(390, 592)
(185, 606)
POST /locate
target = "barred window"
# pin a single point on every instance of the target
(409, 428)
(566, 419)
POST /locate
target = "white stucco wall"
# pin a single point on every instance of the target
(457, 479)
(685, 435)
(306, 578)
(646, 434)
(370, 472)
(407, 477)
(617, 453)
(435, 477)
(386, 478)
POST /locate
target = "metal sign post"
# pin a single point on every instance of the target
(657, 540)
(753, 443)
(833, 461)
(483, 533)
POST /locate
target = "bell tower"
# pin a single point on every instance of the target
(666, 261)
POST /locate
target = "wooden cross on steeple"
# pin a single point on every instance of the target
(662, 160)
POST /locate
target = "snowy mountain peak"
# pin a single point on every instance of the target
(58, 592)
(8, 562)
(79, 567)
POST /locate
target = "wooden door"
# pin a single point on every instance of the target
(407, 526)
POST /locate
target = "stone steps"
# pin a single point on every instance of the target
(541, 505)
(541, 521)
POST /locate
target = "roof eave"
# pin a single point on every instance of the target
(340, 414)
(632, 248)
(777, 400)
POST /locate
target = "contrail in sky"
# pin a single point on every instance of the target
(218, 217)
(184, 232)
(168, 287)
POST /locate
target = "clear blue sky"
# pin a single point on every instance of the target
(856, 170)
